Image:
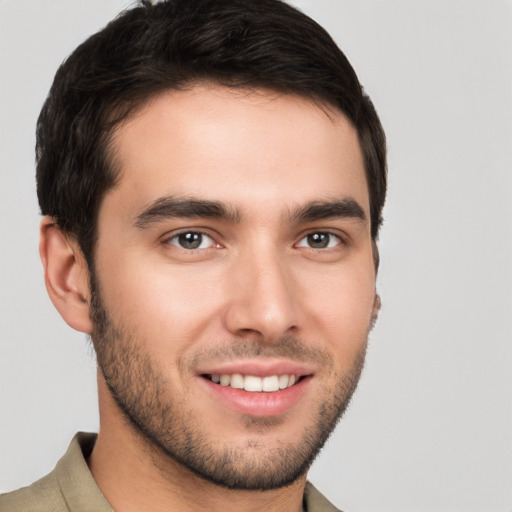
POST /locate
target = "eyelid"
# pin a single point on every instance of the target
(342, 239)
(170, 236)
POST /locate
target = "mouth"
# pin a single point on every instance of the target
(257, 387)
(253, 383)
(258, 396)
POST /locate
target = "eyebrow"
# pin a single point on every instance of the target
(178, 207)
(170, 207)
(319, 210)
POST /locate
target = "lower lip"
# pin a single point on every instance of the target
(259, 404)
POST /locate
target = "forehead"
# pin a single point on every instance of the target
(247, 148)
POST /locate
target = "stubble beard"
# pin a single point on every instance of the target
(142, 394)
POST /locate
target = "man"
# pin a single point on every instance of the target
(212, 178)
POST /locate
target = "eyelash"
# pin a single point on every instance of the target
(331, 237)
(198, 236)
(201, 234)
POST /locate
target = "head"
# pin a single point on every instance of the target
(237, 140)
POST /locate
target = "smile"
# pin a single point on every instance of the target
(258, 390)
(252, 383)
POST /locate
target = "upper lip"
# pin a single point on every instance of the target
(258, 367)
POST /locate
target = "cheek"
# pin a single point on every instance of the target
(341, 304)
(171, 308)
(158, 301)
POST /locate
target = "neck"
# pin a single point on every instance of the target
(135, 475)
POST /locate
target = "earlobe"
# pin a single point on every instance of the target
(66, 275)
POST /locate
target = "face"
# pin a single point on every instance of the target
(234, 281)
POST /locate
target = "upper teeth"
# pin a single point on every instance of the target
(253, 383)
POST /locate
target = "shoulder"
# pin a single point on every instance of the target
(69, 487)
(41, 496)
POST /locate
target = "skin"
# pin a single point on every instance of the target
(254, 282)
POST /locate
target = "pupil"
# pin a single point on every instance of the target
(190, 240)
(318, 240)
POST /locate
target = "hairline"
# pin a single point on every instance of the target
(129, 109)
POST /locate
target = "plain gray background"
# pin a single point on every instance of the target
(430, 428)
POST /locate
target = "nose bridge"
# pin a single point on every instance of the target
(263, 296)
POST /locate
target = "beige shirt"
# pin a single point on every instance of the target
(70, 487)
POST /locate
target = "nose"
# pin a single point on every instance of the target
(262, 297)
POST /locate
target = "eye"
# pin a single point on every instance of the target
(320, 240)
(191, 240)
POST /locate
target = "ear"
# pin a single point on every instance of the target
(375, 311)
(66, 275)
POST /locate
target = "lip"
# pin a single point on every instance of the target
(258, 404)
(259, 368)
